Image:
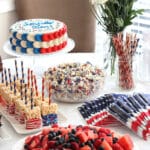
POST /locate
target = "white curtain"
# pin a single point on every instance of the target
(141, 26)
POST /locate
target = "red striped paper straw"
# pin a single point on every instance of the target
(16, 67)
(42, 88)
(31, 98)
(22, 70)
(35, 84)
(29, 72)
(50, 93)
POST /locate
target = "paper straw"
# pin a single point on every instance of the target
(22, 70)
(16, 67)
(2, 77)
(32, 79)
(29, 72)
(21, 91)
(50, 93)
(25, 94)
(6, 77)
(31, 98)
(42, 88)
(9, 73)
(14, 85)
(35, 84)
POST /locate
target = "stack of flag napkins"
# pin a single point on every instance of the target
(115, 109)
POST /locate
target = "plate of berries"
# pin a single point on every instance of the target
(76, 138)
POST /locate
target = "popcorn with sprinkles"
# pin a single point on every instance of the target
(74, 82)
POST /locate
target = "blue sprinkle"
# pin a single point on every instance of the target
(24, 36)
(38, 37)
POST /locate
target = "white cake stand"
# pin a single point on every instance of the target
(8, 50)
(38, 68)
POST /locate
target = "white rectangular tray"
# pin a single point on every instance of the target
(20, 128)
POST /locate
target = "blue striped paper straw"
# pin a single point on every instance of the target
(16, 67)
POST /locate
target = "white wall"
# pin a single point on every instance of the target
(7, 17)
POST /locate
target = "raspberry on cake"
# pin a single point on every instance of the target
(38, 36)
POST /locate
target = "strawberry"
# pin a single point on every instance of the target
(82, 136)
(51, 144)
(105, 130)
(116, 146)
(75, 146)
(28, 140)
(97, 143)
(86, 147)
(126, 142)
(106, 145)
(109, 139)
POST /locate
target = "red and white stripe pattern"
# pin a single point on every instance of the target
(33, 123)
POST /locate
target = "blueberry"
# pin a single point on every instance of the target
(50, 136)
(26, 146)
(57, 143)
(61, 140)
(102, 139)
(89, 143)
(115, 140)
(109, 134)
(67, 145)
(101, 148)
(82, 144)
(73, 131)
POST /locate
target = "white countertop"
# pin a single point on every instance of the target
(67, 109)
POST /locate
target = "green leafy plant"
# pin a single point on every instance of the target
(114, 16)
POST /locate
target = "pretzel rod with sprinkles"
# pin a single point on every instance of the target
(42, 88)
(9, 73)
(35, 84)
(22, 71)
(29, 72)
(16, 67)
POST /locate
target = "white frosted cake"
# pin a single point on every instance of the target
(37, 36)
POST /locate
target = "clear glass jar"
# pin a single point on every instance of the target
(125, 73)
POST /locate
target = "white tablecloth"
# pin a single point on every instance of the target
(70, 110)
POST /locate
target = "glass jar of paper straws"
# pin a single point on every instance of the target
(125, 47)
